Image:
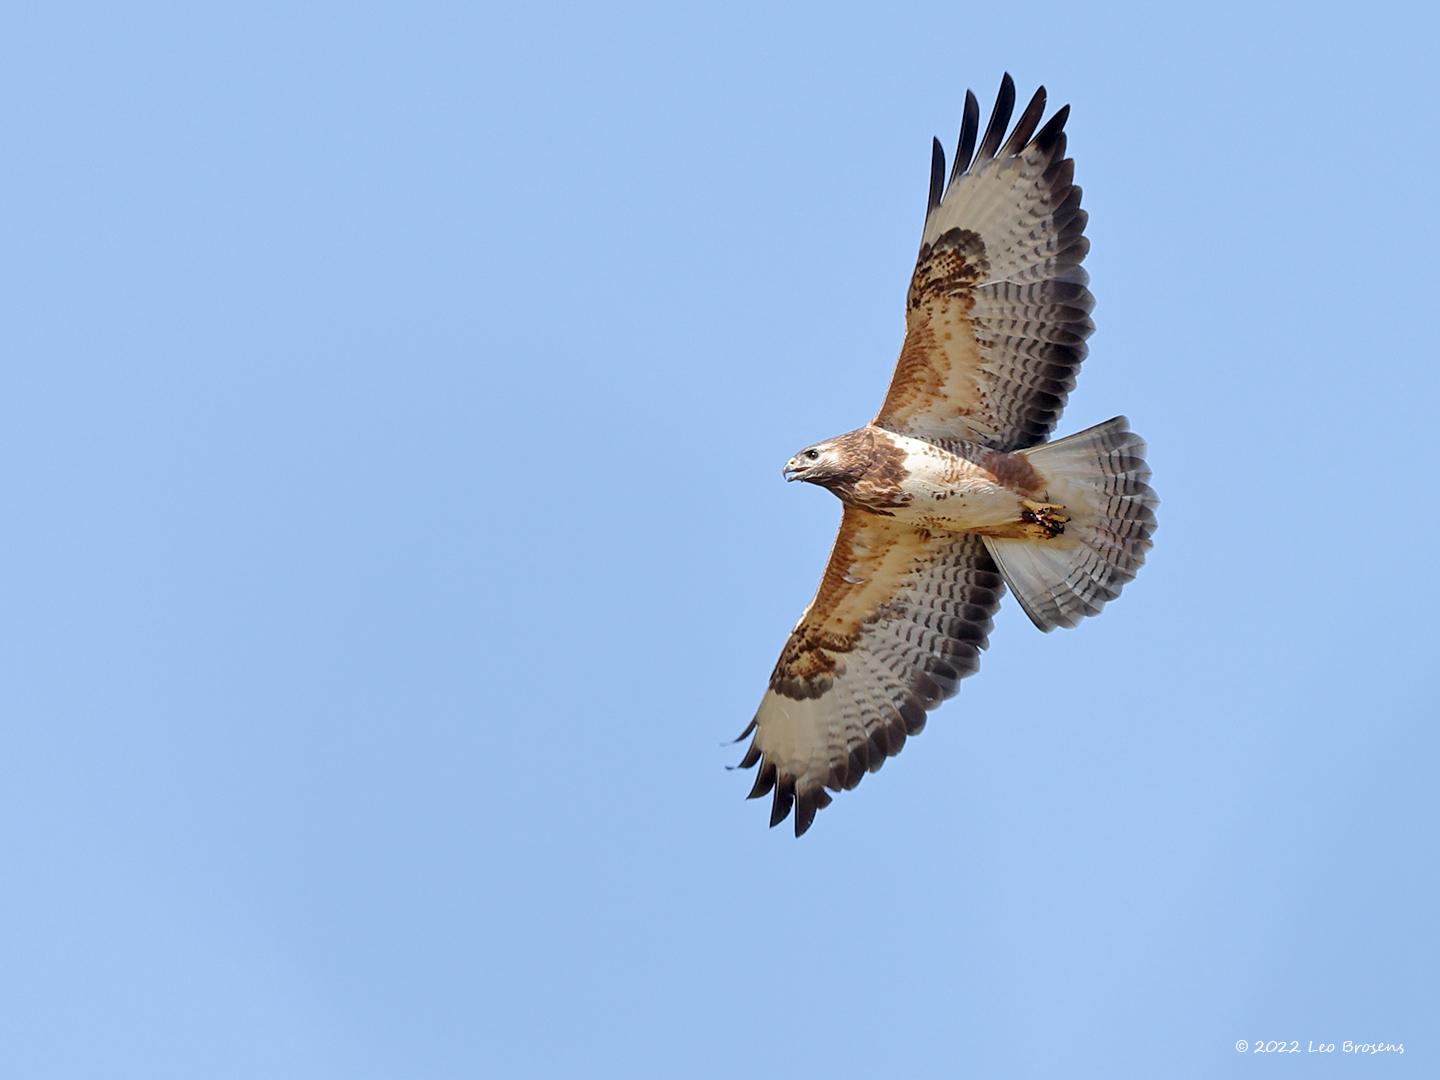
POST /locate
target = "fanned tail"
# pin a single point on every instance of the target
(1100, 476)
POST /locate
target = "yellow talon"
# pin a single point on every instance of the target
(1050, 517)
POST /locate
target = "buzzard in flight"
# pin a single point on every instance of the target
(952, 493)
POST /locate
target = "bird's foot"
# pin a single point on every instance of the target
(1047, 520)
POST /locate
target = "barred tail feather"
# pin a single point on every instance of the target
(1100, 476)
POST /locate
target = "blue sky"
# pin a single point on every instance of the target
(395, 399)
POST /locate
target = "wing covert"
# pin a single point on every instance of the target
(998, 309)
(899, 619)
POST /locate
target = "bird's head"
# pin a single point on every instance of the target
(821, 464)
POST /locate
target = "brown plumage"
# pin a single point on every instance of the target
(869, 471)
(951, 492)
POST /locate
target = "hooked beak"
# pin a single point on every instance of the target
(791, 471)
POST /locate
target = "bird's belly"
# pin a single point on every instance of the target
(964, 504)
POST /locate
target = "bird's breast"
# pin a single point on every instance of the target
(950, 492)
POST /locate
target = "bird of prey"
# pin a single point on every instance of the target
(952, 492)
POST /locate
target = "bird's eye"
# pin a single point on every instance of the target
(812, 454)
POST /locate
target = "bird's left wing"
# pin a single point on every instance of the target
(899, 619)
(998, 309)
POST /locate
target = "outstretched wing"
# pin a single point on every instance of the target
(998, 310)
(899, 619)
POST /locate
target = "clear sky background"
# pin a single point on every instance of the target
(393, 410)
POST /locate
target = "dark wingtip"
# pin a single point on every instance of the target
(804, 814)
(1025, 126)
(1054, 128)
(937, 175)
(764, 780)
(969, 131)
(999, 119)
(807, 804)
(784, 799)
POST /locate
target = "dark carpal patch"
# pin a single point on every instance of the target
(949, 267)
(808, 664)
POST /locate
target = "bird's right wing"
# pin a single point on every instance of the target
(998, 309)
(899, 619)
